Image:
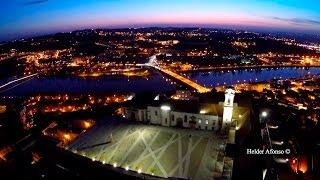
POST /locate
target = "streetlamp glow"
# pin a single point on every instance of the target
(273, 127)
(139, 170)
(202, 111)
(130, 97)
(264, 114)
(67, 136)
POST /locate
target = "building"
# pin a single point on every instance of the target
(228, 108)
(191, 113)
(183, 95)
(3, 109)
(173, 115)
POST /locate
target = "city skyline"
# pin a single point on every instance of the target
(221, 102)
(35, 17)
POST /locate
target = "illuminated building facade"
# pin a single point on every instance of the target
(228, 108)
(191, 114)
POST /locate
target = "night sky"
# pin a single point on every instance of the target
(33, 17)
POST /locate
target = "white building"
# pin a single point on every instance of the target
(165, 116)
(191, 114)
(228, 108)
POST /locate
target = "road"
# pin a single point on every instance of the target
(19, 81)
(153, 64)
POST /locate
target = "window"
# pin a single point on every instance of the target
(207, 122)
(172, 117)
(199, 121)
(156, 113)
(185, 118)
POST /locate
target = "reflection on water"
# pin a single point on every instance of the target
(250, 75)
(156, 82)
(99, 85)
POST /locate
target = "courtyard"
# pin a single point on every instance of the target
(155, 150)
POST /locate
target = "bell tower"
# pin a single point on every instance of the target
(227, 107)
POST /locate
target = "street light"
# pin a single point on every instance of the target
(127, 168)
(66, 136)
(139, 170)
(273, 127)
(264, 114)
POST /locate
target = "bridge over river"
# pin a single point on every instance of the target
(16, 82)
(153, 64)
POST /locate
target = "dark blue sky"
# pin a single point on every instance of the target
(32, 17)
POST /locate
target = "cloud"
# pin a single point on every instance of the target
(34, 2)
(298, 21)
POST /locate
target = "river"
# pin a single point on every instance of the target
(155, 83)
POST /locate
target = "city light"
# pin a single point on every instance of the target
(67, 136)
(281, 160)
(87, 124)
(145, 101)
(277, 142)
(139, 171)
(130, 97)
(273, 127)
(299, 164)
(264, 114)
(165, 108)
(157, 98)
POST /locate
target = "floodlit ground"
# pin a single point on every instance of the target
(162, 151)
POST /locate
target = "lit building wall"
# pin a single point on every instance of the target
(154, 114)
(165, 117)
(228, 107)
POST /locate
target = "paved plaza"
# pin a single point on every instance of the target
(162, 151)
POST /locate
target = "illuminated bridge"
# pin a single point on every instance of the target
(153, 64)
(14, 83)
